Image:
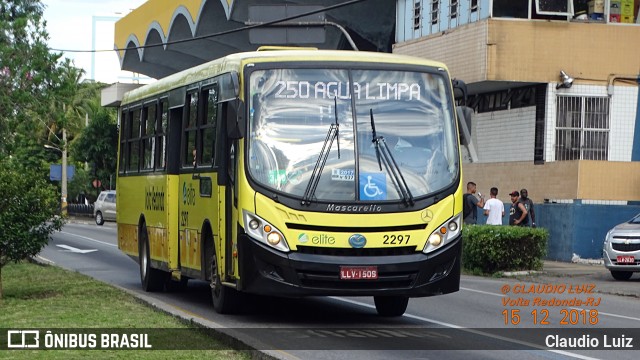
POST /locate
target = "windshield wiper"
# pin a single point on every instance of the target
(385, 157)
(332, 135)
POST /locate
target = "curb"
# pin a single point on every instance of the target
(226, 335)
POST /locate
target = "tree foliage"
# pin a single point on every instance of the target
(98, 145)
(26, 221)
(29, 73)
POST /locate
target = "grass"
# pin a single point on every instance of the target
(47, 297)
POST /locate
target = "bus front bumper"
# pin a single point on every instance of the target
(269, 272)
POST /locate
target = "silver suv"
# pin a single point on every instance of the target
(105, 207)
(621, 249)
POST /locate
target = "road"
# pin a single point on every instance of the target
(487, 319)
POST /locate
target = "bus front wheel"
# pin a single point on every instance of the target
(152, 279)
(225, 299)
(391, 305)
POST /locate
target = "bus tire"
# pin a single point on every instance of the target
(391, 305)
(225, 299)
(152, 279)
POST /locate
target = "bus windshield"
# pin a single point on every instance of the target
(292, 112)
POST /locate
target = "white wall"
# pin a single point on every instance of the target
(624, 103)
(506, 135)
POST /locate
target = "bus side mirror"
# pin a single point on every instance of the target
(464, 123)
(463, 112)
(235, 119)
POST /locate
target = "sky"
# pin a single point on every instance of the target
(70, 25)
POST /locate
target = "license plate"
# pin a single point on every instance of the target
(358, 272)
(626, 259)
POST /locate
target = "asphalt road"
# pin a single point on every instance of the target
(484, 316)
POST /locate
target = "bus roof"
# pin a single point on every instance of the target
(234, 62)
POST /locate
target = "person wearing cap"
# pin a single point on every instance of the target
(517, 213)
(528, 204)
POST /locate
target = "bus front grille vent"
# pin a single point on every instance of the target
(314, 250)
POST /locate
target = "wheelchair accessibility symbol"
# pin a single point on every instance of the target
(373, 186)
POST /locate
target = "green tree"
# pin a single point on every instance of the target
(98, 145)
(26, 221)
(28, 71)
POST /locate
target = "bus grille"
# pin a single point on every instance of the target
(314, 250)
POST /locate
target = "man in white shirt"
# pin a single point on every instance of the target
(494, 208)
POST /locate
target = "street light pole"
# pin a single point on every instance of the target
(63, 179)
(64, 172)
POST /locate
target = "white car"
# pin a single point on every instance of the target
(105, 207)
(621, 249)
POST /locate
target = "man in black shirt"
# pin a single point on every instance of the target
(517, 213)
(470, 204)
(528, 205)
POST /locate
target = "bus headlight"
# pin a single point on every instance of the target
(441, 236)
(274, 238)
(260, 230)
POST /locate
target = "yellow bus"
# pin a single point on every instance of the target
(295, 172)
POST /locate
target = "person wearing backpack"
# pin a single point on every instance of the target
(470, 204)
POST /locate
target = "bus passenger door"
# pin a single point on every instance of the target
(173, 186)
(230, 211)
(228, 197)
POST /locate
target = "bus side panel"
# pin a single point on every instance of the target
(158, 246)
(128, 239)
(171, 221)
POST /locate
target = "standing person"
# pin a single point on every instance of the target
(528, 204)
(494, 208)
(470, 204)
(517, 213)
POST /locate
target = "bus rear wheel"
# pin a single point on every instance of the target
(225, 299)
(152, 279)
(391, 305)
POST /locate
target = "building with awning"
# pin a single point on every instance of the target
(162, 37)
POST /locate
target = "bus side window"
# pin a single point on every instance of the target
(126, 119)
(148, 136)
(161, 135)
(208, 126)
(133, 158)
(190, 131)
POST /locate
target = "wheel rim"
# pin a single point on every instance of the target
(144, 261)
(99, 217)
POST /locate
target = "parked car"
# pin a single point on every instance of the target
(621, 249)
(105, 207)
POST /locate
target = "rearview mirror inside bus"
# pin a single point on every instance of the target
(235, 119)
